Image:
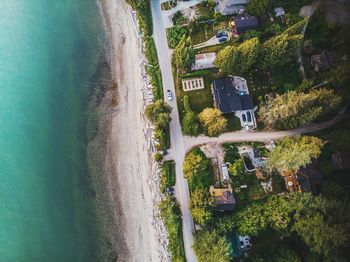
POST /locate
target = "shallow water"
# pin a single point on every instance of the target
(48, 51)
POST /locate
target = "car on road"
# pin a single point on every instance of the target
(169, 95)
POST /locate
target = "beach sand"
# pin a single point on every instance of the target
(128, 163)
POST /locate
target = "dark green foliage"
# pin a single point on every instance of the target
(156, 110)
(151, 51)
(178, 18)
(251, 34)
(209, 246)
(190, 122)
(239, 60)
(231, 153)
(168, 175)
(175, 34)
(277, 254)
(196, 169)
(171, 215)
(184, 54)
(339, 140)
(259, 7)
(201, 204)
(156, 81)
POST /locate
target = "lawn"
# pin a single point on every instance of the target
(199, 99)
(233, 123)
(203, 32)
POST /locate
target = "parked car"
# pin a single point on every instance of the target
(222, 39)
(169, 95)
(169, 191)
(221, 34)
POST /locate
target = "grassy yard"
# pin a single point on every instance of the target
(199, 99)
(204, 32)
(233, 123)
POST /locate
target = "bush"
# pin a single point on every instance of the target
(231, 153)
(158, 157)
(178, 18)
(168, 176)
(175, 34)
(144, 13)
(171, 216)
(151, 51)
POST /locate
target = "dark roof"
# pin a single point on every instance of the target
(323, 61)
(245, 23)
(310, 178)
(228, 99)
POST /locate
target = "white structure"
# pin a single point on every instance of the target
(191, 84)
(224, 170)
(204, 61)
(230, 7)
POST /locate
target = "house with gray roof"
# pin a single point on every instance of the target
(231, 95)
(230, 7)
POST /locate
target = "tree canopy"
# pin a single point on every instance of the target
(294, 109)
(259, 7)
(239, 60)
(201, 206)
(213, 121)
(159, 113)
(291, 153)
(196, 169)
(183, 56)
(190, 122)
(210, 246)
(277, 254)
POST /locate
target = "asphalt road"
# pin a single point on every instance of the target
(177, 145)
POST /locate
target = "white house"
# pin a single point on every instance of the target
(230, 7)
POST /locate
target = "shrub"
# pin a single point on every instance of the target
(175, 34)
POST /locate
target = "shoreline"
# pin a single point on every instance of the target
(129, 207)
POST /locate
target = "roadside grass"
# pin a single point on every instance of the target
(168, 177)
(233, 123)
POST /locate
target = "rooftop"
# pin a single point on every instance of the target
(244, 23)
(231, 95)
(223, 197)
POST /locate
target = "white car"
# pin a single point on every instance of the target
(169, 95)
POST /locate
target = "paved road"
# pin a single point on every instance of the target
(241, 136)
(177, 145)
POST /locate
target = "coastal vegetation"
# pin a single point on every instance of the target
(196, 169)
(168, 176)
(144, 13)
(171, 215)
(201, 206)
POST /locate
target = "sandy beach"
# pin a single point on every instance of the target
(128, 162)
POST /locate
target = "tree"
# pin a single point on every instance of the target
(251, 220)
(294, 109)
(196, 169)
(175, 34)
(291, 153)
(201, 206)
(213, 121)
(251, 34)
(183, 56)
(339, 139)
(156, 112)
(237, 168)
(278, 254)
(239, 60)
(258, 7)
(209, 246)
(158, 157)
(190, 123)
(279, 50)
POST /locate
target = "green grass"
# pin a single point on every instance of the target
(168, 177)
(233, 123)
(199, 99)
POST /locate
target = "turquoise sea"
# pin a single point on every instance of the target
(48, 52)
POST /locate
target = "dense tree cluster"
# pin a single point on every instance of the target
(201, 204)
(323, 224)
(258, 7)
(239, 60)
(183, 56)
(213, 121)
(196, 169)
(159, 113)
(210, 246)
(277, 254)
(291, 153)
(294, 109)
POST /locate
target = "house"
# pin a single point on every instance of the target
(280, 14)
(243, 23)
(238, 244)
(223, 198)
(231, 95)
(310, 178)
(341, 160)
(230, 7)
(204, 61)
(323, 61)
(193, 83)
